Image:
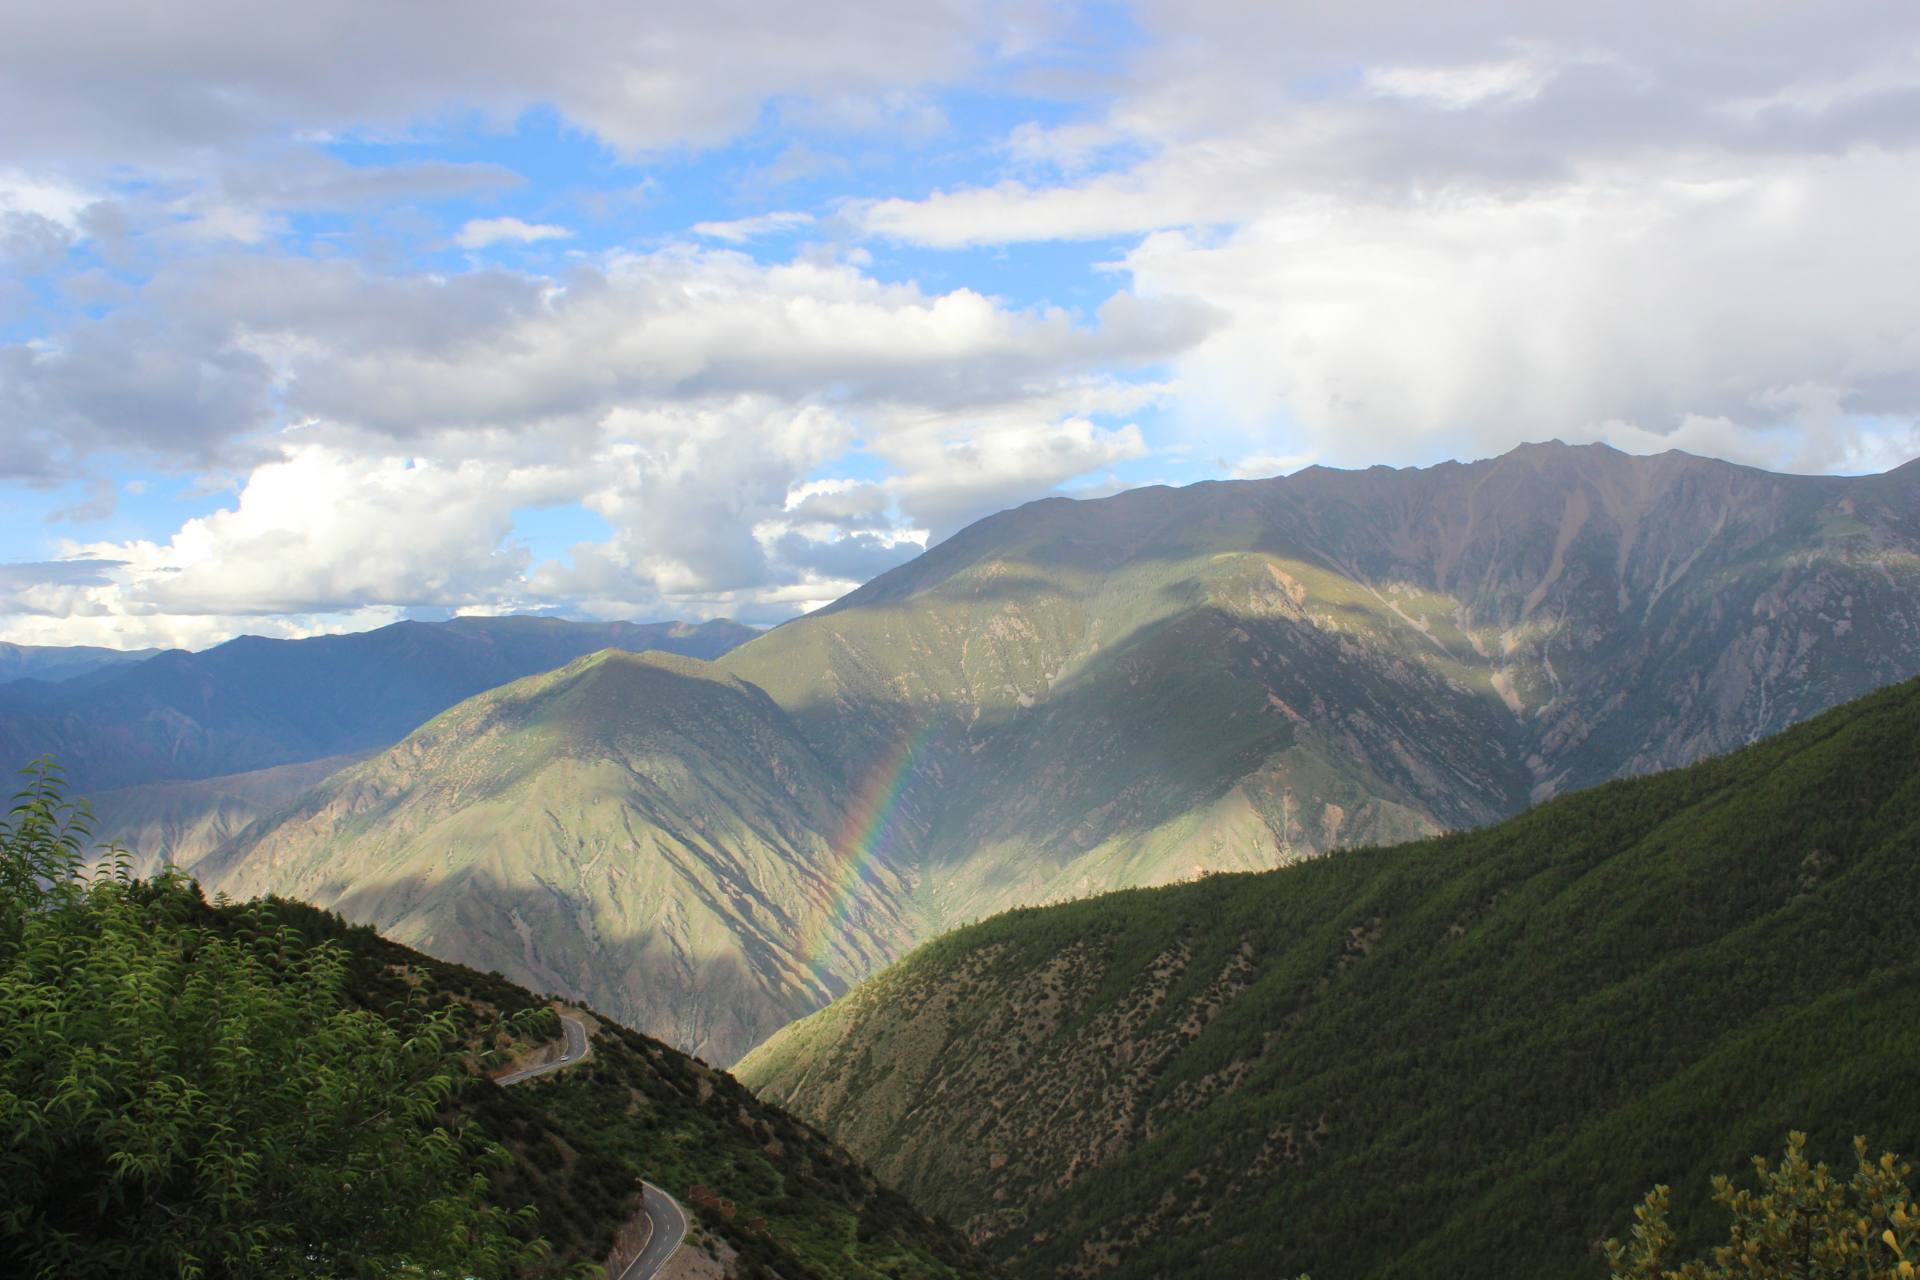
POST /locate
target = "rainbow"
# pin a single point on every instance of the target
(864, 838)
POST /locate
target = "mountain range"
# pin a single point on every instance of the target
(55, 663)
(254, 703)
(1078, 696)
(178, 752)
(1466, 1057)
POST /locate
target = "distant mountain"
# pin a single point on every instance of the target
(254, 703)
(54, 663)
(1234, 675)
(1078, 696)
(179, 823)
(637, 831)
(1460, 1058)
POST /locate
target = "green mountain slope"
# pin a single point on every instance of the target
(767, 1195)
(640, 832)
(1466, 1057)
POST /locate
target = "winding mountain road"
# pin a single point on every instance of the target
(576, 1049)
(666, 1220)
(669, 1229)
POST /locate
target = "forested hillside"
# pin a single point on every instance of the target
(1465, 1057)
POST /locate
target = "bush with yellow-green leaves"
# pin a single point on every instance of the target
(1802, 1221)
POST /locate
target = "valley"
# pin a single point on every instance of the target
(959, 641)
(1328, 872)
(1074, 697)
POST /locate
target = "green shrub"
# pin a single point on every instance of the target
(1802, 1222)
(181, 1100)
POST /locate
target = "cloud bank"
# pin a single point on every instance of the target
(891, 270)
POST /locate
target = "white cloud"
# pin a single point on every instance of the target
(322, 531)
(692, 399)
(481, 232)
(948, 480)
(741, 230)
(43, 195)
(214, 350)
(1432, 232)
(1457, 87)
(1468, 323)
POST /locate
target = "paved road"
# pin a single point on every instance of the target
(667, 1218)
(669, 1229)
(576, 1049)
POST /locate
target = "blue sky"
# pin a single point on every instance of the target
(311, 322)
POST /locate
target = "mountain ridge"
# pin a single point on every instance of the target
(1072, 697)
(254, 703)
(504, 834)
(53, 664)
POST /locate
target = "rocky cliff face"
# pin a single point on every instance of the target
(1074, 697)
(1235, 675)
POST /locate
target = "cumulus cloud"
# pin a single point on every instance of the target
(322, 531)
(214, 350)
(949, 480)
(1464, 323)
(688, 397)
(1441, 232)
(481, 232)
(1371, 232)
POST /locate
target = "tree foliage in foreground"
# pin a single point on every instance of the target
(180, 1101)
(1803, 1222)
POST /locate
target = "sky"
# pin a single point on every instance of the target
(318, 317)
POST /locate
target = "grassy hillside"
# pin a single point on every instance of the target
(1466, 1057)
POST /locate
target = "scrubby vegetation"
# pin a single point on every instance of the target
(759, 1185)
(1802, 1222)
